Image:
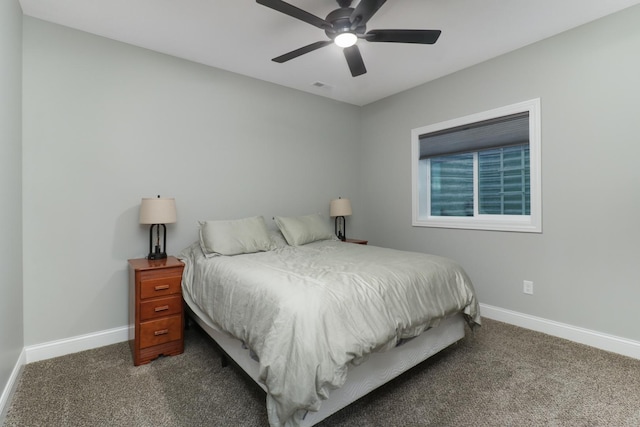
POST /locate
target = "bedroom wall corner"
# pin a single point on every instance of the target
(11, 287)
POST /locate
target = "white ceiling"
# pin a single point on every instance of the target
(242, 36)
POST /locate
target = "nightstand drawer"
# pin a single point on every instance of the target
(159, 307)
(160, 331)
(150, 288)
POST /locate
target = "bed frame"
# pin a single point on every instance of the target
(377, 370)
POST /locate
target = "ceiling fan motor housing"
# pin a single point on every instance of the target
(341, 23)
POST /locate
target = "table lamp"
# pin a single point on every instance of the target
(339, 209)
(157, 211)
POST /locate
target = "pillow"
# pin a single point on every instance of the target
(301, 230)
(233, 237)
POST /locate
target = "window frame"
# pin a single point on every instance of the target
(420, 175)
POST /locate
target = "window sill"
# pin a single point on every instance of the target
(525, 224)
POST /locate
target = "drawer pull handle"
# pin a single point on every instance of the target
(161, 287)
(161, 332)
(161, 308)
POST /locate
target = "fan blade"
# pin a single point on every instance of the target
(403, 36)
(354, 59)
(306, 49)
(364, 11)
(294, 12)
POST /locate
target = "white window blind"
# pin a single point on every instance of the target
(492, 133)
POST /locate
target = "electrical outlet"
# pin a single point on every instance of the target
(527, 287)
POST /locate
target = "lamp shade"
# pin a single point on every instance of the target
(340, 207)
(159, 210)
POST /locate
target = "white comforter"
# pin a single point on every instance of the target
(308, 311)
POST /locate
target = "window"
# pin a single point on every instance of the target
(479, 172)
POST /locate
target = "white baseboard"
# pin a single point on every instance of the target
(10, 388)
(596, 339)
(65, 346)
(588, 337)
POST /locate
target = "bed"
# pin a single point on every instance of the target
(317, 322)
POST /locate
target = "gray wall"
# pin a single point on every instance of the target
(585, 264)
(11, 319)
(106, 123)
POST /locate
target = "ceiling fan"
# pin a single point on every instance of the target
(344, 26)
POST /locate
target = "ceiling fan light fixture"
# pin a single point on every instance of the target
(345, 39)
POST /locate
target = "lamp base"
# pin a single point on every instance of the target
(154, 255)
(157, 254)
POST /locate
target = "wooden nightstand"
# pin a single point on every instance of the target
(357, 241)
(155, 308)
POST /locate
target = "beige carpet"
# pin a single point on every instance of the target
(499, 375)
